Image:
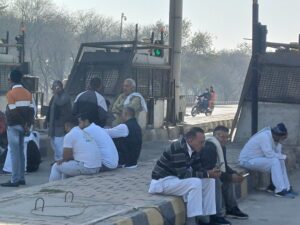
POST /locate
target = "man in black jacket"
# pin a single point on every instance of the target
(179, 172)
(127, 137)
(214, 153)
(92, 102)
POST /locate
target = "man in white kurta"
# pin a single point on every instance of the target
(263, 153)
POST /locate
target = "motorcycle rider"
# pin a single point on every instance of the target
(213, 98)
(206, 97)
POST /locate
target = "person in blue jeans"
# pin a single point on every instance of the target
(20, 115)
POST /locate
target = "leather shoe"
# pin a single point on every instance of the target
(10, 184)
(22, 182)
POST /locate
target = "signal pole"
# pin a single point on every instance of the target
(123, 18)
(175, 35)
(23, 44)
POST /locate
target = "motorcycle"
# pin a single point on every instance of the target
(199, 108)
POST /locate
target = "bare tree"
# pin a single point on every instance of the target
(201, 43)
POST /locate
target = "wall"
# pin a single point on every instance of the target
(269, 114)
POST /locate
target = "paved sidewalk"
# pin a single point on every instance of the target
(151, 150)
(100, 199)
(265, 209)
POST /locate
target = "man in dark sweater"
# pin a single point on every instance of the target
(127, 137)
(212, 154)
(179, 172)
(59, 111)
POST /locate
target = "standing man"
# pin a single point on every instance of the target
(127, 137)
(59, 111)
(179, 172)
(128, 98)
(214, 154)
(263, 153)
(93, 102)
(20, 116)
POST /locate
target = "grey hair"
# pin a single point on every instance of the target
(131, 82)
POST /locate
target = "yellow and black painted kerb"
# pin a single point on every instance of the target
(167, 213)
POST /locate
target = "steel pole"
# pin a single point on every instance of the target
(121, 26)
(175, 35)
(7, 42)
(255, 75)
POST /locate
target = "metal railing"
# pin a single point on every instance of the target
(191, 100)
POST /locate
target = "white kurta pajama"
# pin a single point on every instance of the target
(262, 154)
(198, 193)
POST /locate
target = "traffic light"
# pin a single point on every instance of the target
(20, 41)
(158, 52)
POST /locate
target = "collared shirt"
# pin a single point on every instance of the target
(190, 151)
(175, 161)
(17, 86)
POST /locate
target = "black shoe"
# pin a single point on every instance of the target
(22, 182)
(203, 223)
(236, 213)
(270, 189)
(10, 184)
(291, 191)
(285, 194)
(219, 220)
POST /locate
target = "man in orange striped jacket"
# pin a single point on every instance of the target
(20, 115)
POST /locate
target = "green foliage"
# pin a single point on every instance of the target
(200, 43)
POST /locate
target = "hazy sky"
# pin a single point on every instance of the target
(228, 20)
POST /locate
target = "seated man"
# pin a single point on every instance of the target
(179, 172)
(81, 155)
(109, 153)
(128, 98)
(214, 153)
(31, 152)
(263, 153)
(127, 138)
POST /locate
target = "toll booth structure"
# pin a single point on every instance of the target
(271, 92)
(115, 61)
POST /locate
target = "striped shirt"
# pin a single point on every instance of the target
(176, 161)
(20, 108)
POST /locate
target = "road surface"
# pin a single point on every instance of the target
(221, 112)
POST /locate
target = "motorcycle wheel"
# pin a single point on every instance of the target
(194, 111)
(208, 112)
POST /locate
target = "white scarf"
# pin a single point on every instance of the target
(136, 94)
(220, 154)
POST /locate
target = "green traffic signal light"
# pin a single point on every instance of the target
(157, 52)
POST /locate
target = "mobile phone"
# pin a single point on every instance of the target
(245, 174)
